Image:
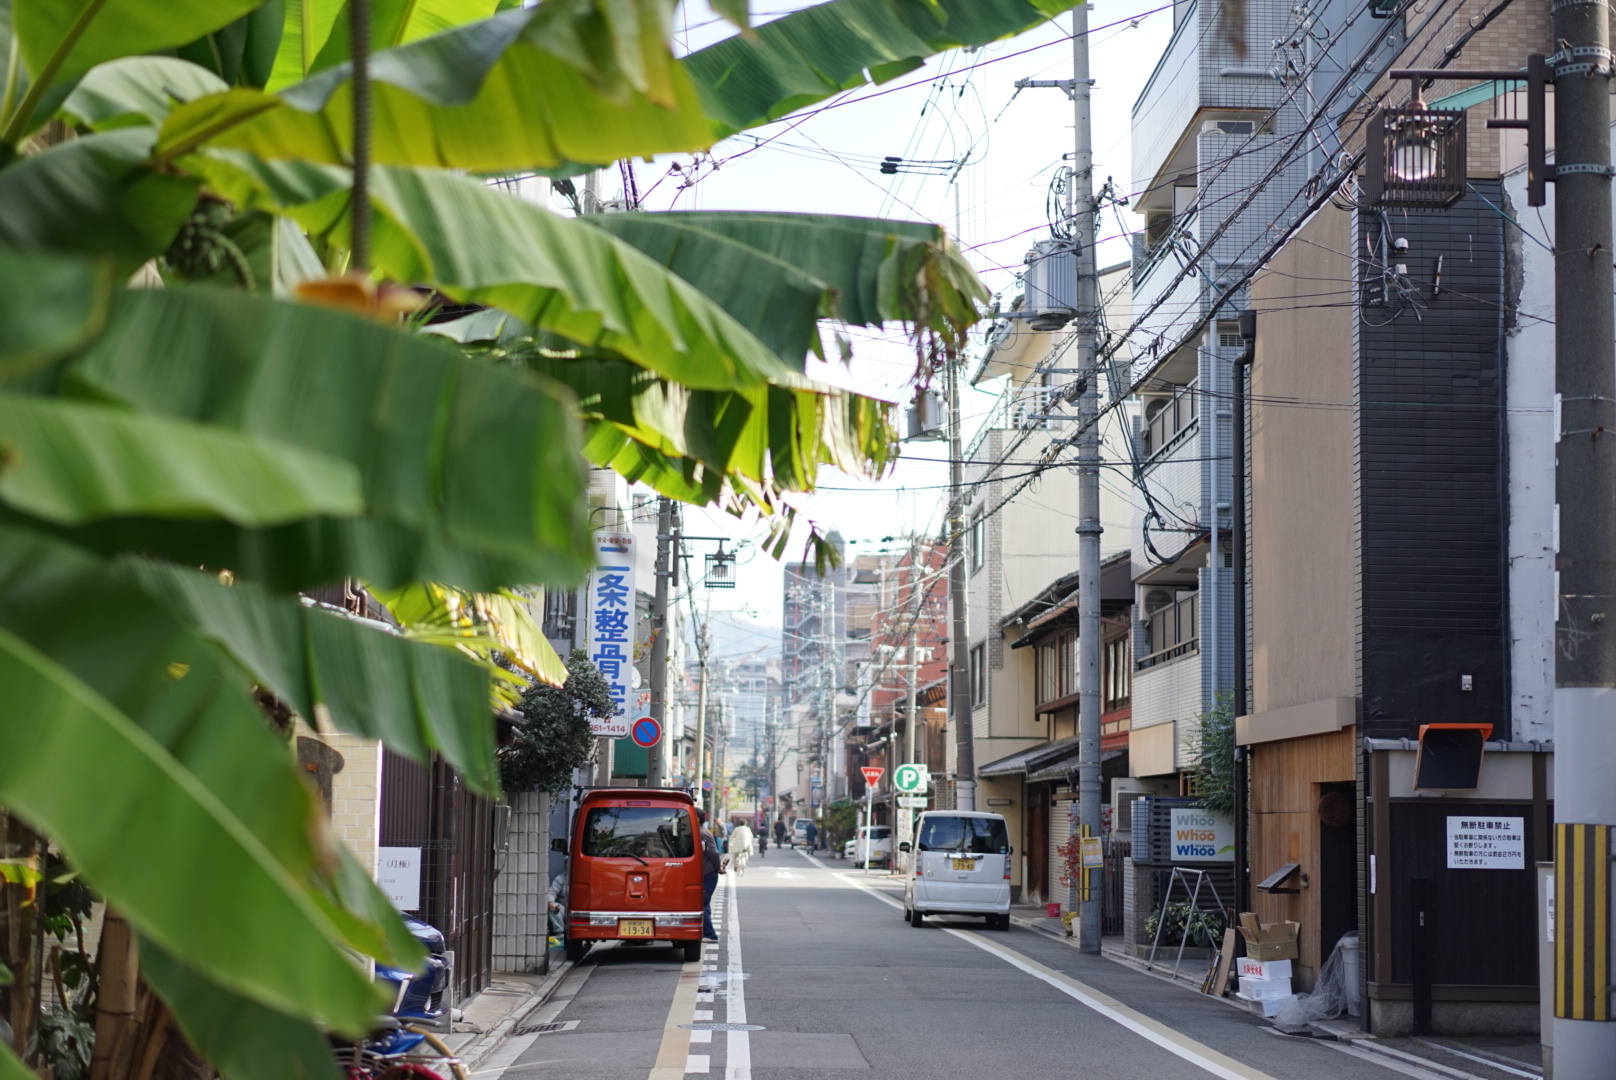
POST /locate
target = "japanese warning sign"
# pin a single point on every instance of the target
(1484, 842)
(609, 624)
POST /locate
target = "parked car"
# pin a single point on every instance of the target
(871, 847)
(962, 867)
(634, 870)
(423, 998)
(799, 832)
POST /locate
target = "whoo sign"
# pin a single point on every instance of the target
(1201, 836)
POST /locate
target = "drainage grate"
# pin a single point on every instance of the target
(708, 1025)
(547, 1029)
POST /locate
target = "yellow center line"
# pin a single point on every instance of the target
(674, 1052)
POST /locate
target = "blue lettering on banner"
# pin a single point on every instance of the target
(610, 632)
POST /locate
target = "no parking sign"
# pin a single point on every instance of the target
(646, 731)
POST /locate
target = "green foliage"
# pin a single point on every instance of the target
(65, 1042)
(1214, 768)
(553, 738)
(837, 822)
(1205, 928)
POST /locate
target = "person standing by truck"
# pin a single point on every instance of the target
(712, 864)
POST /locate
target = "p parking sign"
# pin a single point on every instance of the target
(911, 779)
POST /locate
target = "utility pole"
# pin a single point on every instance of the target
(1242, 706)
(959, 686)
(1088, 472)
(1080, 192)
(1585, 488)
(702, 644)
(659, 641)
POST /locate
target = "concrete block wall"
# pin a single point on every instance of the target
(356, 794)
(520, 923)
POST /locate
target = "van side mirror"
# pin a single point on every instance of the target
(558, 844)
(904, 846)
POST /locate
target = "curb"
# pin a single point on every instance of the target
(473, 1053)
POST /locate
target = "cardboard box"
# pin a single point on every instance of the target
(1264, 989)
(1268, 941)
(1268, 1007)
(1263, 969)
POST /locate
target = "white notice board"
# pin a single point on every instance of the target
(1486, 842)
(398, 872)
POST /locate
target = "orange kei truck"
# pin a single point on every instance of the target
(634, 870)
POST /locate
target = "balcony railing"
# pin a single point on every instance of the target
(1171, 420)
(1172, 632)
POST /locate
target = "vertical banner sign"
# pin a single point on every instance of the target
(609, 622)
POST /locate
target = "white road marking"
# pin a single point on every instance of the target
(1145, 1027)
(697, 1063)
(701, 1035)
(738, 1050)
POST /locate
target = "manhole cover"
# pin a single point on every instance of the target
(708, 1025)
(546, 1029)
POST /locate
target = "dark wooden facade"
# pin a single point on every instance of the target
(429, 807)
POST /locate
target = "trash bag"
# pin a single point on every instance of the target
(1329, 997)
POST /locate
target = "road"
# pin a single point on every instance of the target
(826, 980)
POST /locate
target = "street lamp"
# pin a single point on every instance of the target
(1415, 155)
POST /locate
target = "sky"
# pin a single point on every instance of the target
(825, 159)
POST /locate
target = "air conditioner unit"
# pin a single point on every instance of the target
(1051, 284)
(1030, 410)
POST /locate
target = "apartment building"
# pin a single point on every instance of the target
(1021, 574)
(1401, 544)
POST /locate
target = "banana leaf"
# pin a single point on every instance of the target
(94, 196)
(541, 88)
(470, 473)
(870, 271)
(56, 41)
(241, 1038)
(802, 58)
(411, 696)
(70, 463)
(138, 90)
(99, 620)
(181, 865)
(66, 302)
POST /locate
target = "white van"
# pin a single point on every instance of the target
(962, 867)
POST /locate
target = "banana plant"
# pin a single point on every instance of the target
(179, 464)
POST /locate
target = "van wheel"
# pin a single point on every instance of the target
(576, 950)
(691, 950)
(916, 918)
(998, 922)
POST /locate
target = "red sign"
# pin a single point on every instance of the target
(872, 774)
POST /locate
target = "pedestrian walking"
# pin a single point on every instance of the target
(763, 843)
(740, 847)
(813, 837)
(712, 864)
(779, 833)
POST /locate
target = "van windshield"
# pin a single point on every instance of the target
(978, 836)
(650, 832)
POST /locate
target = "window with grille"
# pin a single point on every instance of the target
(979, 675)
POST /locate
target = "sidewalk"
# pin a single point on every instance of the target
(489, 1017)
(1431, 1058)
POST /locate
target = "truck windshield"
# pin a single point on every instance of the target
(649, 832)
(978, 836)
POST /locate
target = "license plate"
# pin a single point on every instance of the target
(635, 928)
(965, 864)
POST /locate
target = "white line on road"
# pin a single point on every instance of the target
(1145, 1027)
(738, 1052)
(698, 1063)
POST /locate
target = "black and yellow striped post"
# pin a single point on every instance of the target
(1582, 922)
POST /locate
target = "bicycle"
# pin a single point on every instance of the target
(400, 1051)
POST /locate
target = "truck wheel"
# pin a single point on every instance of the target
(691, 949)
(576, 950)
